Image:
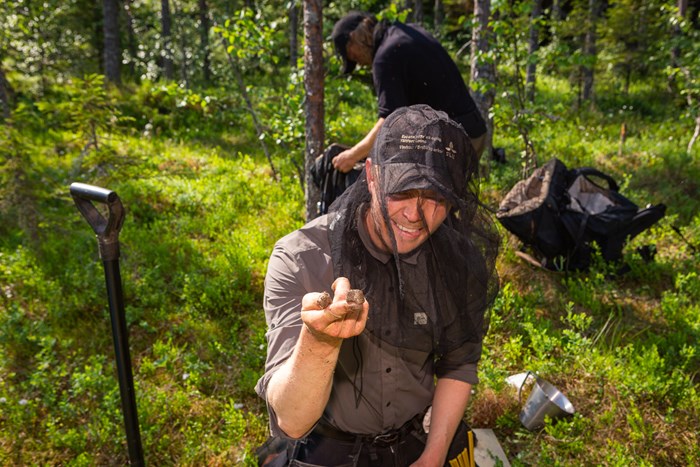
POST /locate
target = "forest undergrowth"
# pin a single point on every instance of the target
(203, 212)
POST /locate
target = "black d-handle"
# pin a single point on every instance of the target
(107, 230)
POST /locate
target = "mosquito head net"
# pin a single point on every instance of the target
(433, 298)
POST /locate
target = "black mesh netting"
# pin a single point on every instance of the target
(434, 298)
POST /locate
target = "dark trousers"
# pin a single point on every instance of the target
(399, 451)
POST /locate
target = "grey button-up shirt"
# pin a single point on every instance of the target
(376, 387)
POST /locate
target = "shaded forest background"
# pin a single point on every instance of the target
(197, 113)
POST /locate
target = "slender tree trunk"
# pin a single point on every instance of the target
(531, 70)
(557, 11)
(6, 94)
(184, 61)
(676, 33)
(589, 49)
(131, 38)
(483, 72)
(313, 84)
(112, 49)
(556, 17)
(682, 11)
(167, 52)
(259, 130)
(696, 133)
(293, 34)
(418, 11)
(204, 25)
(438, 15)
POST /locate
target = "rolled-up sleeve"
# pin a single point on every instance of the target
(282, 303)
(460, 364)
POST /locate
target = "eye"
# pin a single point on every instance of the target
(433, 199)
(403, 196)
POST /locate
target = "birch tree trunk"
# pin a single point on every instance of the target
(112, 49)
(531, 70)
(131, 39)
(483, 73)
(293, 34)
(313, 84)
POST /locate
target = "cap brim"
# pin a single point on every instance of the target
(407, 176)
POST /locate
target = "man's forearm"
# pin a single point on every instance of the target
(298, 392)
(345, 161)
(363, 147)
(449, 403)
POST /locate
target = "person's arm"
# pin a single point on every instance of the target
(345, 161)
(299, 390)
(449, 403)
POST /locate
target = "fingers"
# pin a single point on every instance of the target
(315, 301)
(355, 296)
(324, 300)
(343, 162)
(340, 287)
(344, 315)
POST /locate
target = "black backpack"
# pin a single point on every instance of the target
(329, 181)
(561, 213)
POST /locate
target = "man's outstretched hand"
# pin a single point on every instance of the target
(337, 318)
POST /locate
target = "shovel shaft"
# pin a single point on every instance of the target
(123, 357)
(107, 232)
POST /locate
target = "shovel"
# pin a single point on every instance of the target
(107, 231)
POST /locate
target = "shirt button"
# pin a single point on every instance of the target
(388, 370)
(388, 404)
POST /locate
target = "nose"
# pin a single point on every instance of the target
(411, 210)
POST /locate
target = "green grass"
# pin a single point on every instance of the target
(203, 213)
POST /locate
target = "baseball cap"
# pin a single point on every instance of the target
(420, 148)
(341, 34)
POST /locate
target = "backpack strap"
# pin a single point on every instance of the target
(588, 171)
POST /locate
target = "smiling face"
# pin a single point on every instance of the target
(412, 216)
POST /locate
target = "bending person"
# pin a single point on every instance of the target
(409, 67)
(351, 381)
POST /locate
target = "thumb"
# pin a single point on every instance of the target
(340, 287)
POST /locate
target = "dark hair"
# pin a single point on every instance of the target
(341, 34)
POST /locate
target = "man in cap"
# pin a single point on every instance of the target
(407, 256)
(409, 67)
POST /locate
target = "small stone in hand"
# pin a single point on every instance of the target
(355, 296)
(324, 300)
